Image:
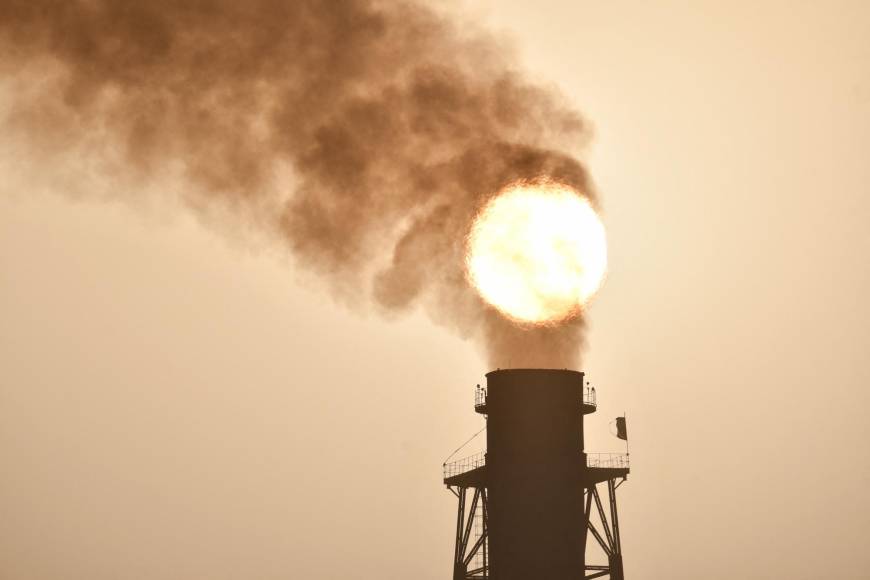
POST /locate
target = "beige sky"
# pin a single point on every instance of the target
(176, 405)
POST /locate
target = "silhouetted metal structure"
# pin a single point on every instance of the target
(525, 505)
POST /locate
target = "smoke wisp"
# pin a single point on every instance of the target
(361, 135)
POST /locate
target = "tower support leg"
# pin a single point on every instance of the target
(610, 540)
(459, 550)
(615, 563)
(615, 558)
(468, 544)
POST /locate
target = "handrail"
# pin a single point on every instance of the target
(465, 464)
(589, 397)
(596, 460)
(479, 397)
(607, 460)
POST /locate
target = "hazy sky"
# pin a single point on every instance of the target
(176, 404)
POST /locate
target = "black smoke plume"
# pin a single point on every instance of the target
(361, 135)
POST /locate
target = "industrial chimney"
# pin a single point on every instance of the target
(525, 504)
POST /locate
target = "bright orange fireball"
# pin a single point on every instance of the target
(537, 252)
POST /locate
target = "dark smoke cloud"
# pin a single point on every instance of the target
(362, 135)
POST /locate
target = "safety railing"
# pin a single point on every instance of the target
(465, 464)
(589, 397)
(479, 397)
(607, 460)
(598, 460)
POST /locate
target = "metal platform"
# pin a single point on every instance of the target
(471, 471)
(590, 400)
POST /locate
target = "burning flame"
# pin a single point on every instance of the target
(537, 252)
